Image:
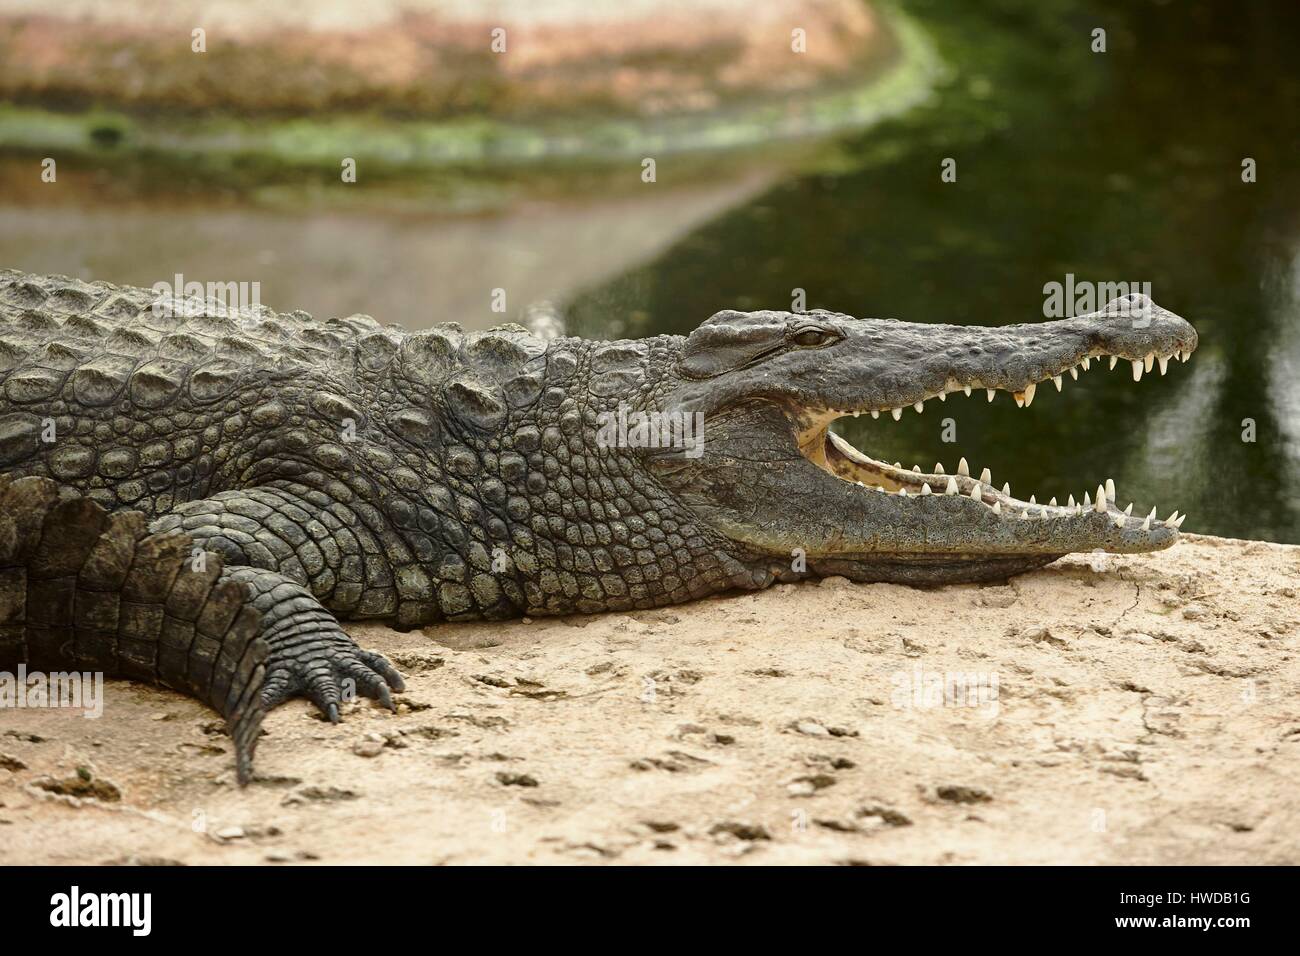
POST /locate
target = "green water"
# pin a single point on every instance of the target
(1122, 166)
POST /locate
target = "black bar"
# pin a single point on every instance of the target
(346, 906)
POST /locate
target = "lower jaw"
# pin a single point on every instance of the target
(849, 464)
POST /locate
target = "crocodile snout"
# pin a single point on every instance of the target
(1135, 328)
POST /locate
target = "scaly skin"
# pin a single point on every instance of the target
(294, 472)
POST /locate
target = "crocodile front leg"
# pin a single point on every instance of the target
(298, 532)
(84, 589)
(294, 555)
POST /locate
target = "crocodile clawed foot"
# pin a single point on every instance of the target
(328, 669)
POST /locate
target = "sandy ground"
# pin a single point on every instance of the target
(1145, 711)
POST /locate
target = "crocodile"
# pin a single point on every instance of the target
(196, 495)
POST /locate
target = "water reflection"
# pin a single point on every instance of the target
(414, 268)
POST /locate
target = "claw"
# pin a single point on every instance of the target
(377, 662)
(371, 684)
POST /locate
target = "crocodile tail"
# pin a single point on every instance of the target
(82, 589)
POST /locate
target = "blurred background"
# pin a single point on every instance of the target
(797, 144)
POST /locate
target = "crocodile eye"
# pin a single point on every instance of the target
(812, 338)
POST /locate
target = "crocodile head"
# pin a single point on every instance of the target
(771, 476)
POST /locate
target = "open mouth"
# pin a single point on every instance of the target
(836, 456)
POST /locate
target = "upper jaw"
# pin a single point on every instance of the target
(901, 365)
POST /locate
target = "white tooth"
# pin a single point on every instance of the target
(1137, 370)
(997, 507)
(1070, 503)
(1087, 501)
(1033, 500)
(943, 396)
(1129, 509)
(1052, 502)
(991, 393)
(1110, 489)
(1020, 401)
(897, 413)
(875, 413)
(952, 487)
(861, 485)
(1006, 488)
(938, 468)
(1152, 515)
(1146, 523)
(1148, 361)
(1119, 521)
(1056, 380)
(1172, 518)
(1029, 393)
(1179, 522)
(902, 492)
(1025, 513)
(1087, 362)
(1074, 373)
(1164, 364)
(925, 489)
(986, 477)
(1184, 355)
(1043, 514)
(920, 407)
(963, 469)
(898, 464)
(977, 493)
(917, 469)
(856, 414)
(1100, 506)
(1114, 360)
(1078, 509)
(966, 389)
